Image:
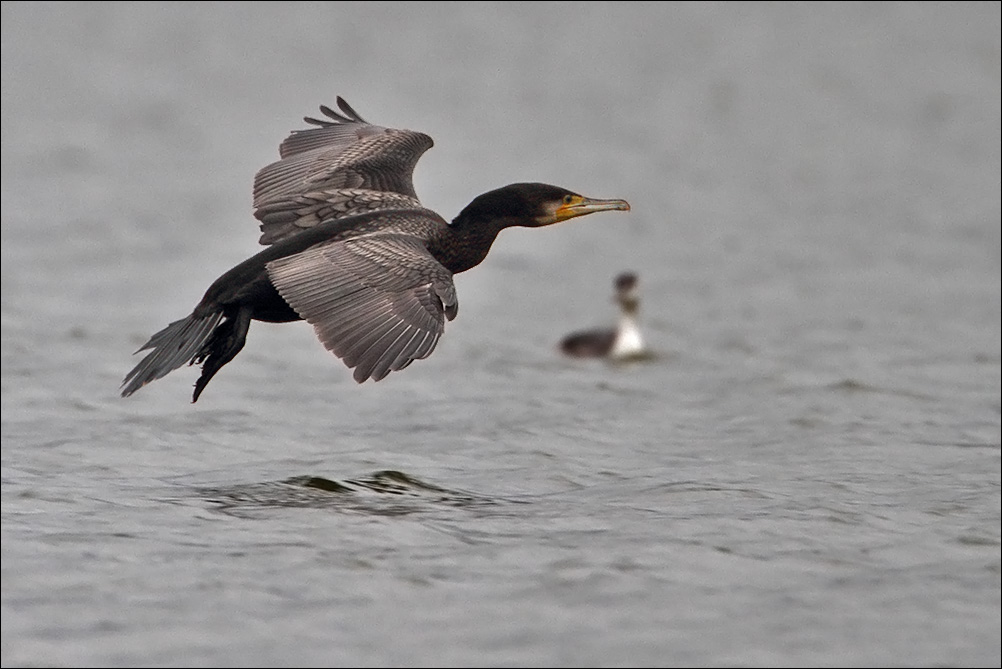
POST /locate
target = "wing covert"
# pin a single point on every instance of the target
(343, 166)
(378, 301)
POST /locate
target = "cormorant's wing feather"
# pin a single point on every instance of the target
(287, 216)
(348, 116)
(377, 301)
(323, 170)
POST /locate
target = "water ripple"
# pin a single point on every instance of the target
(384, 493)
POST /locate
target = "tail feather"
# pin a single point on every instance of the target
(177, 344)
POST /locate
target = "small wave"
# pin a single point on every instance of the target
(385, 492)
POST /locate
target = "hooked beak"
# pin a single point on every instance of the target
(582, 206)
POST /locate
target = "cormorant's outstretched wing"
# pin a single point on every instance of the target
(378, 301)
(342, 167)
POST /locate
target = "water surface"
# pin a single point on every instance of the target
(806, 474)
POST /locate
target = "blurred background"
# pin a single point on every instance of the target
(806, 474)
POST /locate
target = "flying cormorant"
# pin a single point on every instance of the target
(350, 250)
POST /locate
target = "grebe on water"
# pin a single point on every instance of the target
(351, 251)
(624, 342)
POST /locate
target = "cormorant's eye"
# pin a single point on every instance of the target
(568, 199)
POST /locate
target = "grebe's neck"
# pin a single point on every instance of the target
(628, 342)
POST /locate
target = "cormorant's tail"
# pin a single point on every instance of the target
(222, 346)
(182, 342)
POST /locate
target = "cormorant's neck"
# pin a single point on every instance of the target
(468, 239)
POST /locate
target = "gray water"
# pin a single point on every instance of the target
(806, 474)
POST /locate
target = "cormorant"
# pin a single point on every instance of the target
(624, 342)
(351, 251)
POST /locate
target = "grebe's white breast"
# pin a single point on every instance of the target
(629, 342)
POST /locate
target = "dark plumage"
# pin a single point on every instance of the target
(352, 251)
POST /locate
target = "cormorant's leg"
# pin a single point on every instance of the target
(224, 344)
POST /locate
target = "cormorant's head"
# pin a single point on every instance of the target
(535, 205)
